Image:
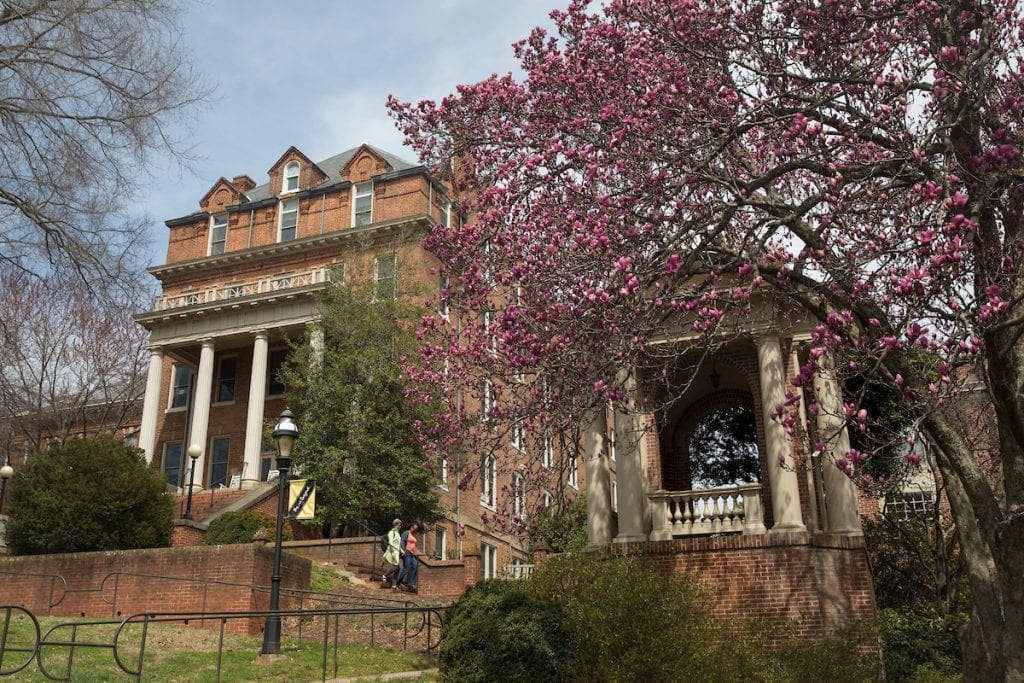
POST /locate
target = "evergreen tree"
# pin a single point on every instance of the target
(358, 429)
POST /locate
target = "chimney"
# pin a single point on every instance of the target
(243, 182)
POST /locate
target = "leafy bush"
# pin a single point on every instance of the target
(497, 632)
(563, 527)
(89, 494)
(592, 617)
(921, 644)
(241, 526)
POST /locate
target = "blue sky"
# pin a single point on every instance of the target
(316, 74)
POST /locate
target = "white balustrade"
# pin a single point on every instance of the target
(518, 571)
(727, 510)
(237, 290)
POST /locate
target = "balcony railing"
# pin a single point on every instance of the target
(237, 290)
(727, 510)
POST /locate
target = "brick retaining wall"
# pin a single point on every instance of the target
(34, 581)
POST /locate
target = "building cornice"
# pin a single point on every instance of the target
(421, 222)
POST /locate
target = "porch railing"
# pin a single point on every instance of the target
(263, 285)
(726, 510)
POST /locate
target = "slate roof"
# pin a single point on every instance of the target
(332, 168)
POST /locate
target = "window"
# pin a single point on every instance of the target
(336, 272)
(439, 543)
(615, 496)
(267, 456)
(291, 177)
(611, 445)
(517, 435)
(441, 475)
(362, 207)
(488, 560)
(275, 387)
(446, 214)
(220, 450)
(574, 472)
(487, 400)
(518, 494)
(131, 439)
(289, 220)
(172, 462)
(384, 272)
(547, 499)
(909, 504)
(547, 456)
(226, 379)
(488, 481)
(486, 322)
(181, 377)
(442, 299)
(218, 233)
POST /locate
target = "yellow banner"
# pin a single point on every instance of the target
(301, 498)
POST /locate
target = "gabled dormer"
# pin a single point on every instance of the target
(222, 195)
(292, 172)
(363, 165)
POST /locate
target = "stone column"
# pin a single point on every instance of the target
(254, 414)
(599, 501)
(781, 473)
(151, 404)
(840, 491)
(201, 410)
(629, 433)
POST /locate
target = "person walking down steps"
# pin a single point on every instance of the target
(393, 554)
(410, 563)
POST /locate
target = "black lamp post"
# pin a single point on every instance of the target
(193, 453)
(6, 472)
(285, 434)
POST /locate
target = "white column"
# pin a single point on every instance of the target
(781, 472)
(599, 495)
(151, 404)
(811, 471)
(840, 492)
(316, 343)
(254, 416)
(201, 409)
(629, 432)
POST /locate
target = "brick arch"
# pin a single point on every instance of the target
(678, 470)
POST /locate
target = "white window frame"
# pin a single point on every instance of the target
(377, 279)
(488, 560)
(518, 495)
(547, 455)
(487, 323)
(220, 378)
(362, 191)
(187, 386)
(488, 482)
(442, 301)
(487, 400)
(517, 439)
(270, 371)
(446, 213)
(291, 173)
(285, 208)
(267, 455)
(439, 548)
(615, 496)
(442, 475)
(181, 462)
(573, 474)
(227, 462)
(218, 221)
(547, 500)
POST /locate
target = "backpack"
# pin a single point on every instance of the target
(383, 544)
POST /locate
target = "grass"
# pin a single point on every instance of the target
(186, 653)
(324, 577)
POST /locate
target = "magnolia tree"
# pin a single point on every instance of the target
(666, 161)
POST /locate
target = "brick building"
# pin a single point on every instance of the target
(240, 280)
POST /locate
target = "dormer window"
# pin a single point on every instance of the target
(291, 177)
(289, 219)
(218, 233)
(362, 207)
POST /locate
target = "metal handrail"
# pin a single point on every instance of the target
(431, 621)
(53, 578)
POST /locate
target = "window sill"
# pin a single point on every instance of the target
(182, 409)
(218, 404)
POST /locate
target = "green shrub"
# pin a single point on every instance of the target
(496, 632)
(241, 526)
(89, 494)
(921, 644)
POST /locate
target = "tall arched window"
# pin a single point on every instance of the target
(291, 177)
(723, 449)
